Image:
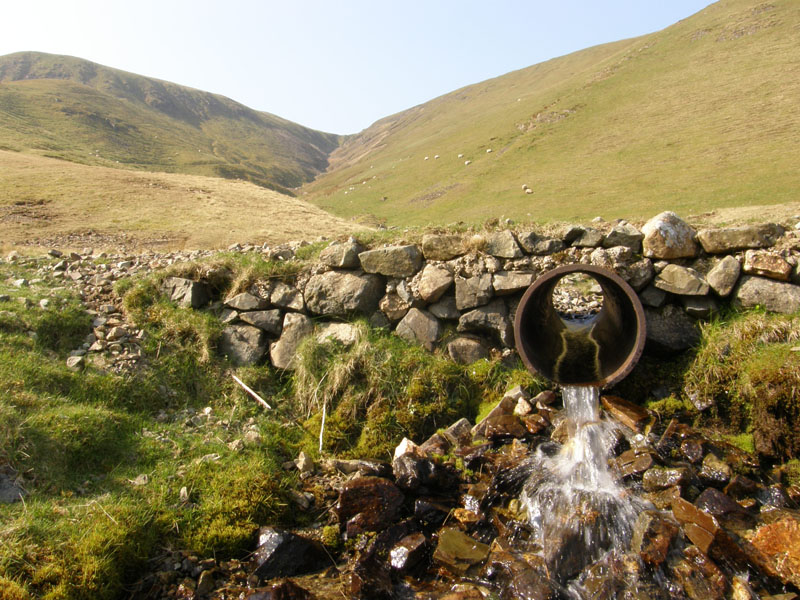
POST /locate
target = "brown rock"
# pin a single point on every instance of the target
(699, 576)
(779, 543)
(767, 264)
(368, 504)
(631, 415)
(652, 537)
(666, 236)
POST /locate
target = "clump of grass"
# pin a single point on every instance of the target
(383, 389)
(747, 370)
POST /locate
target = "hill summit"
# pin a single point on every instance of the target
(74, 109)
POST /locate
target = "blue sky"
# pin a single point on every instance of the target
(334, 65)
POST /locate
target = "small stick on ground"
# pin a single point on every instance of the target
(251, 392)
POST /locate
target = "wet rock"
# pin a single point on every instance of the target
(692, 449)
(368, 504)
(285, 590)
(459, 433)
(283, 554)
(714, 470)
(420, 326)
(205, 584)
(244, 345)
(442, 247)
(504, 407)
(779, 543)
(631, 415)
(473, 291)
(393, 261)
(296, 328)
(740, 486)
(633, 462)
(729, 239)
(667, 236)
(466, 350)
(365, 468)
(434, 282)
(652, 537)
(510, 282)
(502, 244)
(503, 426)
(340, 294)
(723, 276)
(670, 330)
(422, 475)
(683, 281)
(660, 478)
(775, 296)
(457, 552)
(186, 293)
(408, 552)
(766, 264)
(246, 301)
(624, 234)
(430, 512)
(699, 576)
(491, 319)
(269, 321)
(724, 508)
(342, 256)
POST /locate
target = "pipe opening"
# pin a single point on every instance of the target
(576, 335)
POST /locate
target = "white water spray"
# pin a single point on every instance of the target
(576, 506)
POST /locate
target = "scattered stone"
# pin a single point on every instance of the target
(75, 363)
(393, 261)
(10, 489)
(779, 543)
(284, 554)
(408, 552)
(457, 552)
(667, 236)
(368, 504)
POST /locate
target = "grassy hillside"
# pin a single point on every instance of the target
(704, 114)
(69, 108)
(52, 202)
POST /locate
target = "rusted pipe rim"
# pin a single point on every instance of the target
(599, 354)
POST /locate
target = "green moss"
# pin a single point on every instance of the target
(670, 407)
(743, 441)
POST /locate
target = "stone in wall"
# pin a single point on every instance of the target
(491, 319)
(766, 264)
(295, 329)
(420, 326)
(473, 291)
(433, 282)
(682, 281)
(624, 234)
(269, 321)
(666, 236)
(244, 345)
(246, 301)
(287, 297)
(723, 276)
(503, 244)
(724, 240)
(466, 350)
(393, 261)
(442, 246)
(775, 296)
(340, 294)
(342, 256)
(186, 293)
(670, 330)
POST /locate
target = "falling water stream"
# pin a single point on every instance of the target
(577, 508)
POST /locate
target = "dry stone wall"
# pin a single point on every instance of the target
(460, 292)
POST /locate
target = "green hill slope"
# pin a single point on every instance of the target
(73, 109)
(703, 114)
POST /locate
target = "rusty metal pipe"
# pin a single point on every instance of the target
(599, 351)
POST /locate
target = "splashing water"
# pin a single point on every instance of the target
(576, 506)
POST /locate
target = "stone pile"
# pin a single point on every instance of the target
(444, 521)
